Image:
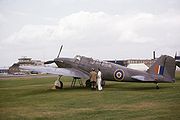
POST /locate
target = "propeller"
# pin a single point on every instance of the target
(52, 61)
(49, 62)
(60, 51)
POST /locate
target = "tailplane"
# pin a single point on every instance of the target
(165, 66)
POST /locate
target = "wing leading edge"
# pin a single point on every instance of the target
(57, 71)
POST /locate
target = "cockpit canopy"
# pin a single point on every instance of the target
(78, 57)
(83, 59)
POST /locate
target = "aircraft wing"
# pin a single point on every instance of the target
(141, 78)
(57, 71)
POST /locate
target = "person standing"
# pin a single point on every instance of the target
(93, 78)
(99, 80)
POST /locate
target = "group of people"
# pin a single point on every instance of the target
(95, 78)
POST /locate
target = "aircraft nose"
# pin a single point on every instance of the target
(63, 62)
(58, 60)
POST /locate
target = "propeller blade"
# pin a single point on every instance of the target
(60, 51)
(52, 61)
(175, 55)
(49, 62)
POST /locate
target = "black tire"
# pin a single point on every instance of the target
(88, 83)
(61, 84)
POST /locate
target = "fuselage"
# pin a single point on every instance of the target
(110, 71)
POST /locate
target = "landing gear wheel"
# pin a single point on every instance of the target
(61, 83)
(59, 86)
(88, 83)
(58, 83)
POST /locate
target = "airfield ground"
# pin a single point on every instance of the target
(33, 98)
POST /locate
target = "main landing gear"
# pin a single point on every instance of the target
(58, 83)
(88, 83)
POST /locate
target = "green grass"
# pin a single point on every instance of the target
(27, 98)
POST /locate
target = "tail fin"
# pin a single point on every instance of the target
(165, 66)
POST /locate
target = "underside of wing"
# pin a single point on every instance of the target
(57, 71)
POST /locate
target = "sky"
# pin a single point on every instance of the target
(102, 29)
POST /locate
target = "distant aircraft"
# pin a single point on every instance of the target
(162, 71)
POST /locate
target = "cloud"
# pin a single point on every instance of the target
(101, 35)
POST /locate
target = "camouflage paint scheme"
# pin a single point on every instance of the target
(114, 72)
(162, 71)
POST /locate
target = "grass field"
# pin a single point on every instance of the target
(27, 98)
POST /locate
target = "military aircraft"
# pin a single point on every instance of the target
(162, 71)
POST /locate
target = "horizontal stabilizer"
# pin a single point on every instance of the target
(141, 78)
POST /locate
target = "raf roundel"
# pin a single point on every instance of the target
(119, 74)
